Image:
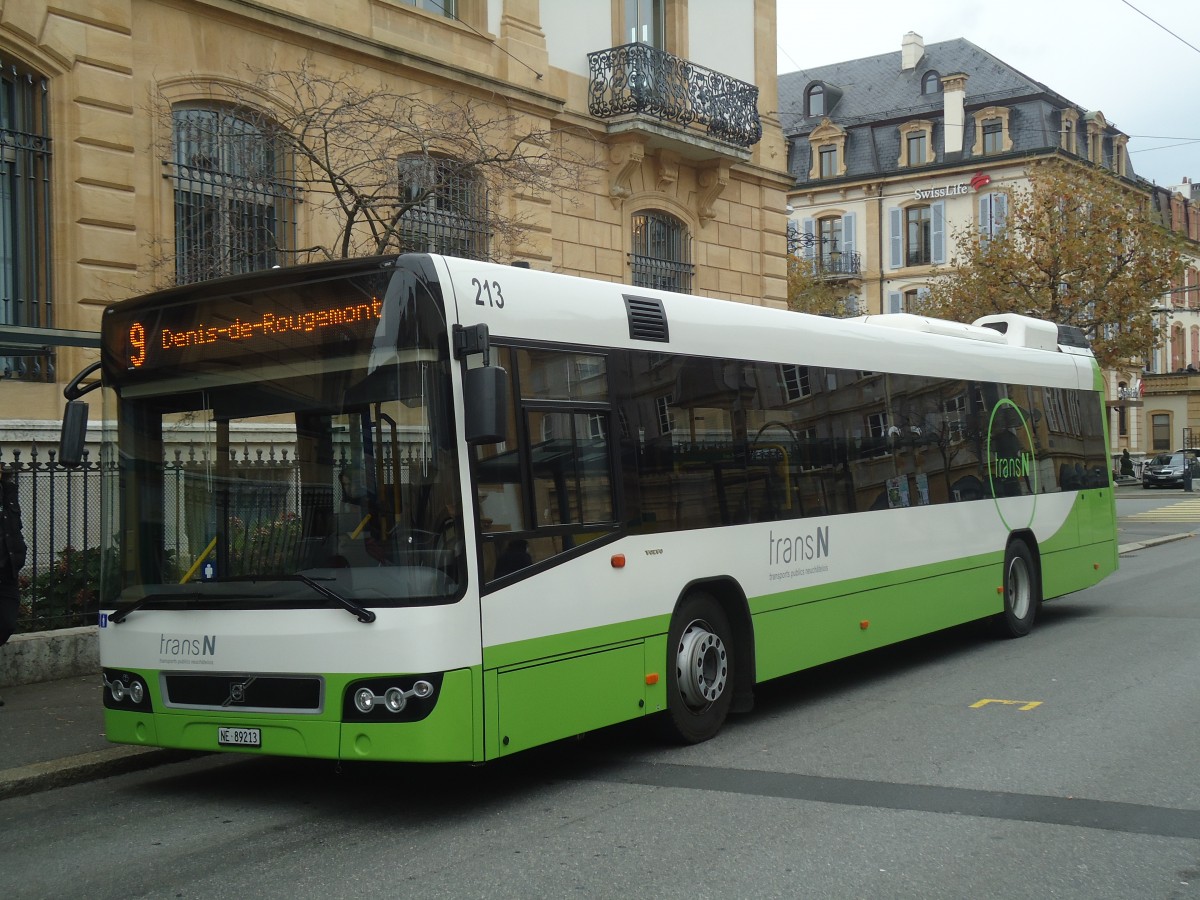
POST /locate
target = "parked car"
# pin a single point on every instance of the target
(1166, 469)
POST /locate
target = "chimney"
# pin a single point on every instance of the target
(912, 48)
(954, 121)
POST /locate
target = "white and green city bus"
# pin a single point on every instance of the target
(423, 508)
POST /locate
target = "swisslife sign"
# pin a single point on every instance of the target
(977, 182)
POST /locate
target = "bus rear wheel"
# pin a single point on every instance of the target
(1022, 595)
(699, 670)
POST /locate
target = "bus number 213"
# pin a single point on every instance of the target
(494, 296)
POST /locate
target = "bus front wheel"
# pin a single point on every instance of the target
(1021, 592)
(699, 670)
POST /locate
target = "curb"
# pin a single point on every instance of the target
(1153, 542)
(44, 776)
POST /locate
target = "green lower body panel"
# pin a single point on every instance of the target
(292, 736)
(1067, 571)
(560, 698)
(792, 638)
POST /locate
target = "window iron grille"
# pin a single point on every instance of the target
(235, 195)
(447, 208)
(26, 289)
(661, 256)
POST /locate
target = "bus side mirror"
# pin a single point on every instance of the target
(73, 439)
(485, 398)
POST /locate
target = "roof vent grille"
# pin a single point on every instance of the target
(647, 319)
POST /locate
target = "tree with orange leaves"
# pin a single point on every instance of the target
(1076, 247)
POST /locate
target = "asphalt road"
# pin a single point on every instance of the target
(1059, 765)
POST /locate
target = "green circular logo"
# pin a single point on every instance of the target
(1011, 464)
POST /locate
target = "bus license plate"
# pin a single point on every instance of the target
(239, 737)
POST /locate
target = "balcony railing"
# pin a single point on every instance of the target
(638, 78)
(836, 265)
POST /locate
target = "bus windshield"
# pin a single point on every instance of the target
(299, 469)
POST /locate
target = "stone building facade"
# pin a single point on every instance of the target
(669, 102)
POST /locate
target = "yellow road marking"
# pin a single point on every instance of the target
(1184, 511)
(1019, 704)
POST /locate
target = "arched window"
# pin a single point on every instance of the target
(25, 251)
(661, 255)
(234, 195)
(815, 101)
(931, 83)
(446, 207)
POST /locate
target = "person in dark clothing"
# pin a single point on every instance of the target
(12, 554)
(514, 558)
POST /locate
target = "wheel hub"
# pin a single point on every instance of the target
(701, 665)
(1018, 588)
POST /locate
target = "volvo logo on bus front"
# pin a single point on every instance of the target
(237, 691)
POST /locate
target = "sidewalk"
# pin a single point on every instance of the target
(52, 733)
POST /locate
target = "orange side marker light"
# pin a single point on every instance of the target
(652, 678)
(618, 560)
(864, 624)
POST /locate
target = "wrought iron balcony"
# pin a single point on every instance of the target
(638, 78)
(837, 265)
(814, 253)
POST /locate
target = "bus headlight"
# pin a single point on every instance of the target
(125, 691)
(364, 699)
(395, 700)
(391, 698)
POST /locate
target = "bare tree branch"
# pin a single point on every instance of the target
(384, 171)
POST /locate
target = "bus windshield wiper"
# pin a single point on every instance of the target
(121, 613)
(364, 615)
(119, 616)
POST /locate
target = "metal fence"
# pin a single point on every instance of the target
(61, 511)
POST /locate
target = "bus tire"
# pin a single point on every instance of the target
(1022, 594)
(700, 674)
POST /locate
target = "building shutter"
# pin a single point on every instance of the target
(848, 243)
(999, 212)
(895, 302)
(808, 247)
(896, 236)
(993, 211)
(937, 214)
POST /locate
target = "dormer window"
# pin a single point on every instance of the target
(993, 136)
(916, 143)
(815, 101)
(931, 83)
(1120, 154)
(991, 132)
(828, 145)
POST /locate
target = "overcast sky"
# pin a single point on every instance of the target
(1099, 54)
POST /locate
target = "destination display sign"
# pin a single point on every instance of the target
(212, 328)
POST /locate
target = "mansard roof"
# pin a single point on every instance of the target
(875, 87)
(874, 96)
